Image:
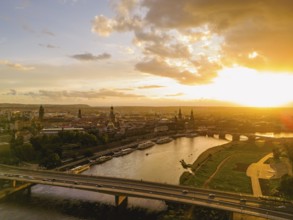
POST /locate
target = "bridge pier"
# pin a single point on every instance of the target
(29, 191)
(203, 133)
(235, 137)
(251, 138)
(13, 183)
(210, 134)
(121, 201)
(222, 136)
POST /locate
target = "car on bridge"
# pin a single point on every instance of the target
(242, 200)
(212, 196)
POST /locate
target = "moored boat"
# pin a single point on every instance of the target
(179, 135)
(123, 152)
(103, 159)
(79, 169)
(127, 150)
(192, 135)
(145, 145)
(164, 140)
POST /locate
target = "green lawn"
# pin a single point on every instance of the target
(4, 144)
(4, 149)
(232, 175)
(5, 138)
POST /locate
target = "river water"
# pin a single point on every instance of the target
(275, 135)
(159, 163)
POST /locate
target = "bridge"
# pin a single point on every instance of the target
(124, 188)
(235, 135)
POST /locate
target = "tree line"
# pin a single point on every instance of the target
(48, 150)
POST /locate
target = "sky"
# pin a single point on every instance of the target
(147, 52)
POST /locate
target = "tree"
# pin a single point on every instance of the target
(286, 186)
(15, 143)
(27, 152)
(276, 153)
(51, 161)
(289, 149)
(88, 153)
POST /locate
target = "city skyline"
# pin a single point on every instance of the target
(146, 52)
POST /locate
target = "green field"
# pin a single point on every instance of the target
(4, 144)
(232, 174)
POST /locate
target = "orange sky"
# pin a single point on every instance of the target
(147, 52)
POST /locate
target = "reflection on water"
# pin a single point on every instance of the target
(159, 163)
(275, 135)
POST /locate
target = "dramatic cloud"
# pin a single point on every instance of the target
(16, 66)
(91, 57)
(125, 20)
(100, 94)
(161, 68)
(264, 27)
(174, 34)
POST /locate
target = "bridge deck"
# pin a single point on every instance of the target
(143, 189)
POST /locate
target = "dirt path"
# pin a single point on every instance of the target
(218, 167)
(257, 171)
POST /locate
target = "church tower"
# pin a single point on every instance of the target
(191, 116)
(112, 115)
(41, 113)
(179, 115)
(79, 114)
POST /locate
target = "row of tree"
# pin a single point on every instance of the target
(48, 150)
(286, 188)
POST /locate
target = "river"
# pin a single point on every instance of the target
(159, 163)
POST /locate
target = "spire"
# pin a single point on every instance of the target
(79, 114)
(179, 114)
(191, 116)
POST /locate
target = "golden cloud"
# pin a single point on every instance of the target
(16, 66)
(212, 32)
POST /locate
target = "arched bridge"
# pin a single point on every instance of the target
(123, 188)
(235, 135)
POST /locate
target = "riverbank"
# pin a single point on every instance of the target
(214, 168)
(109, 149)
(53, 207)
(146, 165)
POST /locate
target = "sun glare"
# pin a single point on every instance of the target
(251, 88)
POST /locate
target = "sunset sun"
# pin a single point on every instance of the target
(248, 87)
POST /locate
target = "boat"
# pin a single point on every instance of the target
(179, 135)
(164, 140)
(79, 169)
(117, 154)
(123, 152)
(145, 145)
(103, 159)
(127, 151)
(192, 135)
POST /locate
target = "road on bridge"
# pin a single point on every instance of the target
(246, 204)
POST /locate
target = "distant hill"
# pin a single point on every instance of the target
(17, 105)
